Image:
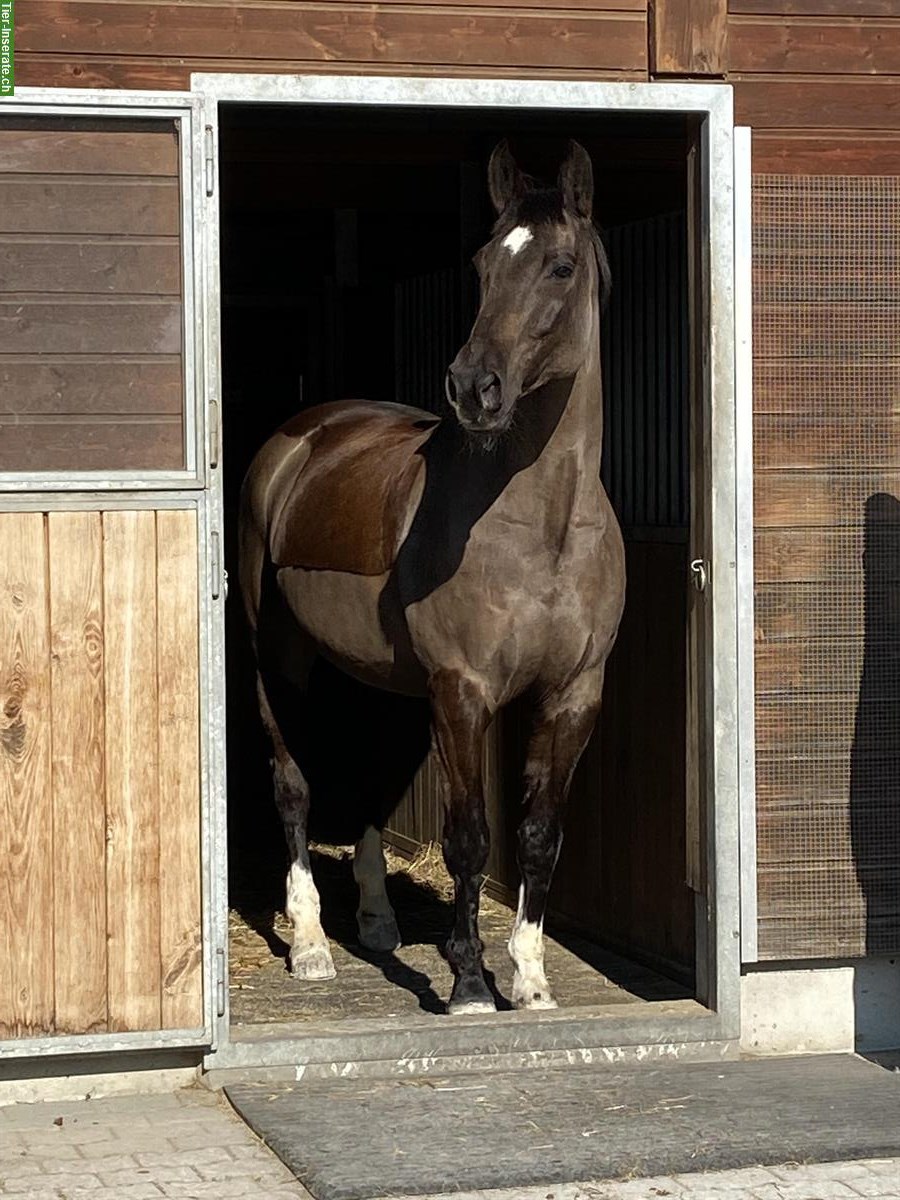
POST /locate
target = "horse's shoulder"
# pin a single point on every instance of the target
(349, 505)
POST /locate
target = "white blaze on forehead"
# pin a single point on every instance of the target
(517, 238)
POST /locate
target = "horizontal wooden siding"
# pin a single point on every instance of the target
(91, 372)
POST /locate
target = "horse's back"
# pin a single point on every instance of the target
(336, 487)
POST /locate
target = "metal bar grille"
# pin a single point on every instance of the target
(645, 364)
(826, 294)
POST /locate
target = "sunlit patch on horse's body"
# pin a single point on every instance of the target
(372, 535)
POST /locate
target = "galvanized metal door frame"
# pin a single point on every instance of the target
(184, 110)
(743, 410)
(156, 490)
(562, 1031)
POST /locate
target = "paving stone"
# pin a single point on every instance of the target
(170, 1173)
(193, 1157)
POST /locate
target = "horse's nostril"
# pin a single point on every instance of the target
(489, 393)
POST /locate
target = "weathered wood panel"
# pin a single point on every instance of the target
(75, 552)
(26, 819)
(174, 74)
(85, 444)
(789, 499)
(818, 8)
(813, 46)
(688, 37)
(811, 102)
(805, 442)
(32, 146)
(335, 33)
(179, 770)
(806, 555)
(67, 204)
(66, 264)
(84, 385)
(100, 904)
(86, 325)
(802, 153)
(132, 770)
(91, 276)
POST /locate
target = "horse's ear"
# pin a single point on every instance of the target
(576, 181)
(506, 182)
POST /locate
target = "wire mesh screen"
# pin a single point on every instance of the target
(826, 301)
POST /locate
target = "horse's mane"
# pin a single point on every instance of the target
(544, 206)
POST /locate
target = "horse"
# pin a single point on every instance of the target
(469, 560)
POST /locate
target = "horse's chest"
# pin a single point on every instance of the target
(505, 611)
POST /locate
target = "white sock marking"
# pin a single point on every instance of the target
(517, 238)
(526, 949)
(303, 906)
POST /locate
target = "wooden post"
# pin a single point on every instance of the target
(688, 37)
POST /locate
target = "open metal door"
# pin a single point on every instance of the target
(107, 577)
(720, 568)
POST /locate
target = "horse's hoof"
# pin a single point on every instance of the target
(378, 933)
(314, 962)
(533, 996)
(470, 995)
(466, 1008)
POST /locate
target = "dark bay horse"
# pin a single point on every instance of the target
(469, 560)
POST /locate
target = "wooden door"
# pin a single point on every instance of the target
(102, 513)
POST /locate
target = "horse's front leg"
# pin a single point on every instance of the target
(461, 717)
(562, 728)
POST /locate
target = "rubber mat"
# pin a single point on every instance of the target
(358, 1139)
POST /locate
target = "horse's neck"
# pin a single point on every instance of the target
(560, 435)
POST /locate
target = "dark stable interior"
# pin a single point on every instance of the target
(346, 241)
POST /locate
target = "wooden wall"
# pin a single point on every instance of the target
(100, 909)
(91, 311)
(82, 43)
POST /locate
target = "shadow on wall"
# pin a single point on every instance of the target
(875, 755)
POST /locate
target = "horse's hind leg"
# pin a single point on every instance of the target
(310, 954)
(375, 917)
(562, 729)
(460, 718)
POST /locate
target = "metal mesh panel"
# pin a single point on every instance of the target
(826, 298)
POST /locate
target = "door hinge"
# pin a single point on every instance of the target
(209, 161)
(220, 983)
(215, 433)
(219, 581)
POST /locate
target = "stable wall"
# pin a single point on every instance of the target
(816, 80)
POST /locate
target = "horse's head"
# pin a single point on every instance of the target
(540, 277)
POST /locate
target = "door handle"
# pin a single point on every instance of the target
(699, 574)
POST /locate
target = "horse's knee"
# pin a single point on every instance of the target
(540, 839)
(466, 842)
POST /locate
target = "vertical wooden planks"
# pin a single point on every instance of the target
(688, 37)
(132, 855)
(26, 815)
(179, 771)
(79, 776)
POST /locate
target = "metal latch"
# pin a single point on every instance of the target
(215, 432)
(216, 565)
(209, 163)
(699, 574)
(220, 983)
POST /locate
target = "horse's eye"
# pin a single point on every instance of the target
(562, 271)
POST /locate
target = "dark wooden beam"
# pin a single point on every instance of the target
(688, 37)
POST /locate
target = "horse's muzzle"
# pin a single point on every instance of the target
(477, 397)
